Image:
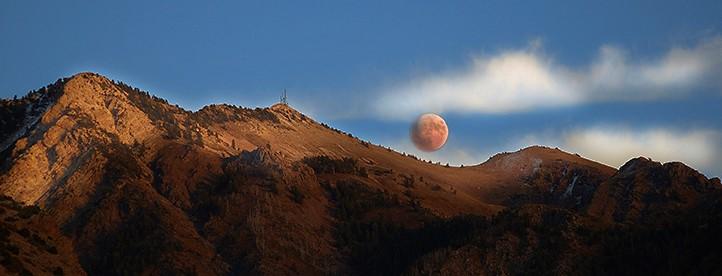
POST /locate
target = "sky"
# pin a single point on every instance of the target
(609, 80)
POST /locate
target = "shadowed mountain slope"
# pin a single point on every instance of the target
(140, 186)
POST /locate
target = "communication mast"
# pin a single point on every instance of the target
(284, 98)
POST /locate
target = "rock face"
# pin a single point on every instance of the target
(549, 176)
(645, 191)
(129, 184)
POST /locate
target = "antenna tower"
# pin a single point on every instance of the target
(284, 98)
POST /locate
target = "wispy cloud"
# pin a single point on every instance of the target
(527, 79)
(611, 145)
(453, 155)
(614, 146)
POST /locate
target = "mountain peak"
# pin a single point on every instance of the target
(644, 189)
(637, 163)
(536, 155)
(282, 107)
(89, 75)
(85, 79)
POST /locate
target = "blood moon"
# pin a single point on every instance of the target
(429, 132)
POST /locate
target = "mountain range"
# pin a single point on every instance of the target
(101, 178)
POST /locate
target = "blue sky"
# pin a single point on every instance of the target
(610, 80)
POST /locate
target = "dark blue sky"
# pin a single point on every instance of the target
(336, 56)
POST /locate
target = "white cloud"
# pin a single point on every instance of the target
(527, 79)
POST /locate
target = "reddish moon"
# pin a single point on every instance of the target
(429, 132)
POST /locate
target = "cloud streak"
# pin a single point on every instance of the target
(527, 79)
(614, 146)
(611, 145)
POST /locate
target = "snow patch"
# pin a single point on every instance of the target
(570, 188)
(34, 111)
(536, 165)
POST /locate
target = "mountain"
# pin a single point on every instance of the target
(131, 184)
(647, 219)
(644, 191)
(30, 243)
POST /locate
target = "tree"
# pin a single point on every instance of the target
(296, 195)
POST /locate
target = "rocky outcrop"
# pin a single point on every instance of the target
(644, 191)
(87, 115)
(543, 175)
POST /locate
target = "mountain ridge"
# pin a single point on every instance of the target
(141, 186)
